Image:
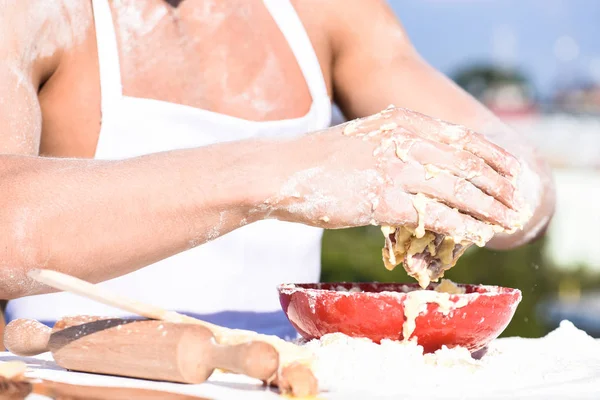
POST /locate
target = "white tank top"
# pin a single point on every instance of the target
(237, 272)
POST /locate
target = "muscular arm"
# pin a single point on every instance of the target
(97, 219)
(375, 65)
(102, 219)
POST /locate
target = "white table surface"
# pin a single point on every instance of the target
(228, 386)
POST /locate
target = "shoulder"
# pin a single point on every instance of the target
(34, 33)
(357, 27)
(350, 13)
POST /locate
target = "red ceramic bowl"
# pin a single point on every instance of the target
(377, 311)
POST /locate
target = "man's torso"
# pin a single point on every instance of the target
(226, 57)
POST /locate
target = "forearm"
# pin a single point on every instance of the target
(101, 219)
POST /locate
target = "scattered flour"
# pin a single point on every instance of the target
(135, 21)
(511, 365)
(312, 299)
(353, 289)
(563, 365)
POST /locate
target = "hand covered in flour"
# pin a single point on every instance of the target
(402, 168)
(399, 168)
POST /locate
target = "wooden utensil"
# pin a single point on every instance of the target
(288, 352)
(294, 375)
(15, 386)
(146, 349)
(19, 390)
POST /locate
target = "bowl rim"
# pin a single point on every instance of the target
(316, 289)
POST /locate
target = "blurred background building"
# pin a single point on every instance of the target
(536, 64)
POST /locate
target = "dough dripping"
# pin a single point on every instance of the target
(425, 255)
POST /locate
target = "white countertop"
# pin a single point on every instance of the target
(563, 365)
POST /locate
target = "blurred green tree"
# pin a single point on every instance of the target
(479, 79)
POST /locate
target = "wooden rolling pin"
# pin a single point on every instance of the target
(294, 376)
(146, 349)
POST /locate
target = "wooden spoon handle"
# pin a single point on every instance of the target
(20, 389)
(59, 390)
(68, 283)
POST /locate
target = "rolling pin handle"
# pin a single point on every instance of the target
(26, 337)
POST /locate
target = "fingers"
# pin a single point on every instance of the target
(462, 182)
(438, 158)
(455, 135)
(495, 156)
(457, 193)
(399, 208)
(442, 219)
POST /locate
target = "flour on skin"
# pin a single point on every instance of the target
(315, 195)
(46, 26)
(135, 20)
(198, 30)
(36, 30)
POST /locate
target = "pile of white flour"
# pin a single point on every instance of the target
(567, 359)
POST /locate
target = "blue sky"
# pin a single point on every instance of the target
(552, 41)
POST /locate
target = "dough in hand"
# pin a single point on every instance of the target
(425, 258)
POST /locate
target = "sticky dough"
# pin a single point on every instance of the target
(425, 257)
